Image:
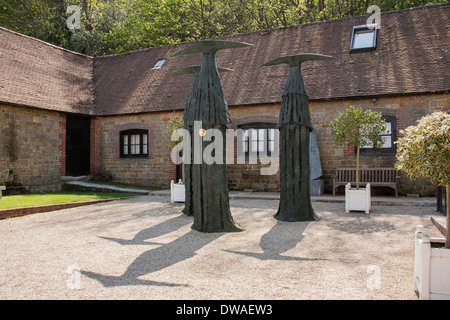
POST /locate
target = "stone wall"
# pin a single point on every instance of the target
(157, 170)
(30, 147)
(32, 144)
(246, 175)
(406, 109)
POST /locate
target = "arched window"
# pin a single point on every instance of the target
(134, 143)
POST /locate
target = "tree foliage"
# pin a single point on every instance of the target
(358, 127)
(174, 124)
(424, 149)
(116, 26)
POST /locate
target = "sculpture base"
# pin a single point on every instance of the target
(316, 187)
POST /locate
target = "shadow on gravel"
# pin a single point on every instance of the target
(362, 226)
(165, 227)
(282, 237)
(156, 259)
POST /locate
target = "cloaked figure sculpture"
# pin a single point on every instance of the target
(295, 125)
(209, 198)
(187, 165)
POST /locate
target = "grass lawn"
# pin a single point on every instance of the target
(39, 199)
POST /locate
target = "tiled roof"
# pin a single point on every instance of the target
(37, 74)
(411, 57)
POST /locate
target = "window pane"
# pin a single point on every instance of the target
(363, 39)
(270, 134)
(159, 64)
(125, 144)
(254, 134)
(261, 146)
(387, 142)
(244, 146)
(144, 144)
(254, 146)
(135, 144)
(388, 128)
(271, 146)
(261, 134)
(365, 143)
(245, 141)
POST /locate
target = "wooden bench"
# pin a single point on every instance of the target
(1, 189)
(377, 177)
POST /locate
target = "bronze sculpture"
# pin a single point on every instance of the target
(295, 125)
(208, 198)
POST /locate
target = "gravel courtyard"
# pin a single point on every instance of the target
(144, 248)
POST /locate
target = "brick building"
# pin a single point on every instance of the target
(64, 113)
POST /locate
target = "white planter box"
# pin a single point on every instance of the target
(431, 268)
(357, 199)
(177, 192)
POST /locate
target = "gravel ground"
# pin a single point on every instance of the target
(144, 248)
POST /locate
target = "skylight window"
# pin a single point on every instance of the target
(364, 38)
(159, 64)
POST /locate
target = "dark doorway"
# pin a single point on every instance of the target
(441, 199)
(78, 146)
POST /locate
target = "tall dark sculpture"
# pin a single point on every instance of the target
(295, 125)
(194, 70)
(209, 198)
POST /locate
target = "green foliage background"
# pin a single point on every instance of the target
(117, 26)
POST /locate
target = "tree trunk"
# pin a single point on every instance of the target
(447, 238)
(357, 167)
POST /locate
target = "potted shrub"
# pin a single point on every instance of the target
(357, 127)
(249, 186)
(177, 190)
(424, 150)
